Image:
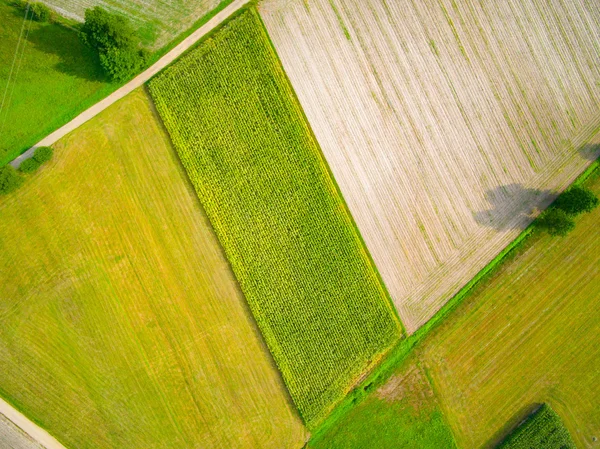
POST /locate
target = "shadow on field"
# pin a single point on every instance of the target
(590, 151)
(74, 58)
(510, 425)
(512, 206)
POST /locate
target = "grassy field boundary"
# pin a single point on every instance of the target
(399, 354)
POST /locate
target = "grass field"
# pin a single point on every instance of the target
(285, 229)
(526, 335)
(53, 77)
(157, 22)
(445, 123)
(402, 414)
(121, 323)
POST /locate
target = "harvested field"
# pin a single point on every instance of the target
(526, 335)
(11, 437)
(292, 245)
(121, 323)
(158, 22)
(446, 124)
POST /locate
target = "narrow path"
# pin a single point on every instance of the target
(135, 82)
(33, 430)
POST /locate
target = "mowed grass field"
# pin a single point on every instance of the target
(446, 123)
(47, 77)
(293, 247)
(404, 413)
(121, 323)
(157, 22)
(526, 335)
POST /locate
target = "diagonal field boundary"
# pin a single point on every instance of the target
(38, 434)
(135, 82)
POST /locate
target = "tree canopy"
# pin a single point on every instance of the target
(556, 222)
(115, 42)
(576, 200)
(9, 179)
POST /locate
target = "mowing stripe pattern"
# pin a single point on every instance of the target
(291, 242)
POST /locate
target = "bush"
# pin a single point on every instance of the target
(121, 64)
(29, 165)
(576, 200)
(9, 179)
(40, 12)
(43, 154)
(115, 42)
(556, 222)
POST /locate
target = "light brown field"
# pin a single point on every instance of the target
(11, 437)
(445, 123)
(121, 323)
(157, 21)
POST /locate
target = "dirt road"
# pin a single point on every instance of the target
(134, 83)
(33, 430)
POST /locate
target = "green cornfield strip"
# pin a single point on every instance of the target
(542, 429)
(287, 233)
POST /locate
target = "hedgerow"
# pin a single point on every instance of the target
(543, 429)
(287, 233)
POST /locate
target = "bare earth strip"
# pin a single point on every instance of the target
(446, 124)
(17, 432)
(138, 81)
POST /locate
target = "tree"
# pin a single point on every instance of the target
(40, 12)
(121, 64)
(9, 179)
(555, 222)
(43, 154)
(576, 200)
(29, 165)
(115, 42)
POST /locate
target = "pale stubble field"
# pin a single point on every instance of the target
(446, 124)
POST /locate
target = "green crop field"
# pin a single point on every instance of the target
(259, 173)
(47, 77)
(528, 334)
(543, 429)
(121, 323)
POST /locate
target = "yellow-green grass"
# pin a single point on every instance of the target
(121, 324)
(291, 241)
(527, 334)
(404, 413)
(53, 77)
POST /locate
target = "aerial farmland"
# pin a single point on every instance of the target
(445, 123)
(299, 224)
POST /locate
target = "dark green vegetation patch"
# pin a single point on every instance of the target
(543, 429)
(289, 237)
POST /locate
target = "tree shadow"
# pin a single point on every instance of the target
(513, 206)
(75, 59)
(515, 421)
(590, 151)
